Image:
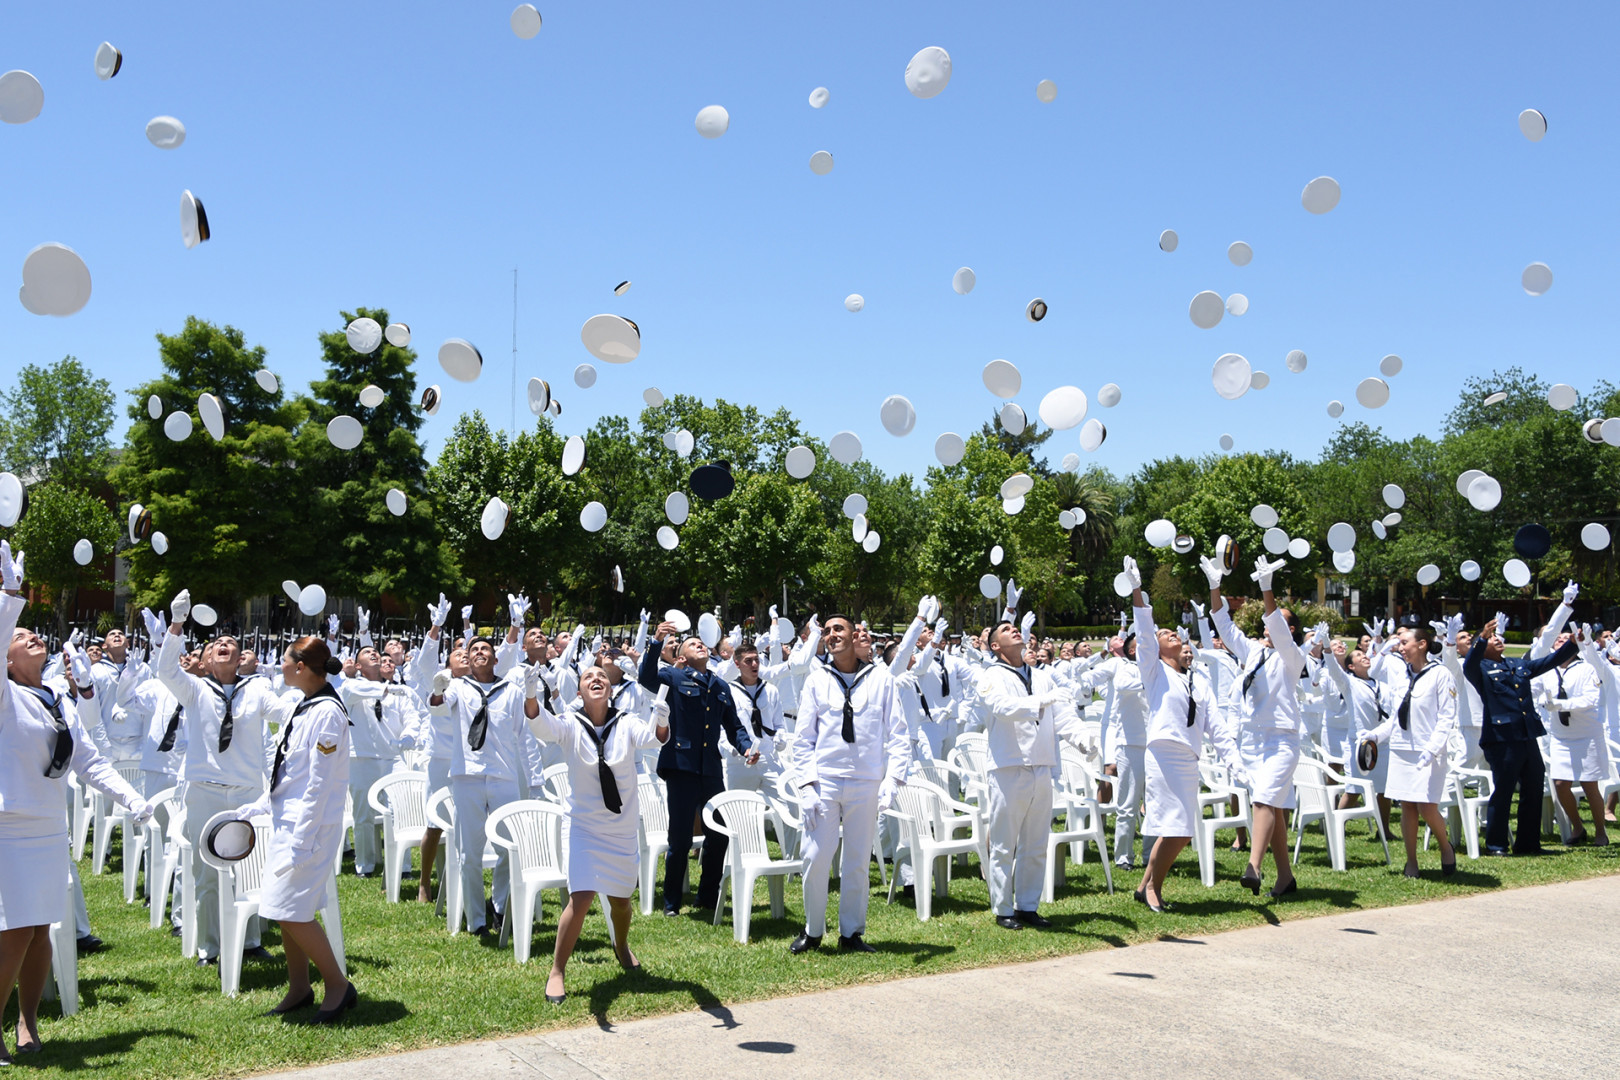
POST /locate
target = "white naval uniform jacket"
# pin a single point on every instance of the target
(1166, 693)
(377, 733)
(1270, 705)
(254, 709)
(309, 788)
(1432, 712)
(880, 750)
(1020, 731)
(509, 751)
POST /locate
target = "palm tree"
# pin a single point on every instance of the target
(1094, 536)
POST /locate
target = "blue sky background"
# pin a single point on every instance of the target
(410, 155)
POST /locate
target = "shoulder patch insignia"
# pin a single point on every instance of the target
(325, 749)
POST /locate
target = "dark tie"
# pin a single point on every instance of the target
(944, 679)
(62, 749)
(226, 723)
(1248, 680)
(376, 709)
(1404, 713)
(1192, 702)
(478, 730)
(610, 786)
(1563, 715)
(169, 732)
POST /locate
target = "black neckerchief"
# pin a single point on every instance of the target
(610, 786)
(62, 750)
(1192, 702)
(304, 706)
(1404, 713)
(167, 742)
(944, 676)
(754, 717)
(1248, 679)
(1026, 677)
(478, 730)
(860, 674)
(227, 723)
(1563, 715)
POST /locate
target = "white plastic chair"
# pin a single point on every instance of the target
(239, 885)
(441, 815)
(163, 853)
(65, 962)
(188, 882)
(971, 757)
(109, 815)
(151, 849)
(1463, 802)
(555, 786)
(400, 799)
(531, 831)
(1216, 798)
(1075, 799)
(652, 835)
(747, 857)
(1319, 788)
(81, 813)
(929, 820)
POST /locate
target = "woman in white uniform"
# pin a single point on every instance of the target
(1418, 734)
(309, 784)
(599, 743)
(42, 736)
(1181, 713)
(1578, 752)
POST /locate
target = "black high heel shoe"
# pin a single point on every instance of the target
(302, 1003)
(351, 998)
(1251, 880)
(1280, 891)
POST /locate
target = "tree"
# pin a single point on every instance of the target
(58, 517)
(237, 513)
(361, 548)
(1025, 443)
(54, 425)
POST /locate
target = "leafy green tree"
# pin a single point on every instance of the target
(58, 517)
(234, 509)
(54, 425)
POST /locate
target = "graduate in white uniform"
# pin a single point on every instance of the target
(385, 721)
(495, 755)
(439, 732)
(1579, 752)
(309, 785)
(42, 736)
(116, 676)
(599, 743)
(1124, 741)
(1271, 719)
(850, 757)
(1028, 712)
(1352, 690)
(228, 744)
(1181, 714)
(1418, 734)
(759, 707)
(1465, 749)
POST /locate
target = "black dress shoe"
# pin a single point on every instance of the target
(174, 931)
(854, 943)
(1448, 868)
(1251, 880)
(258, 952)
(557, 999)
(1498, 852)
(1033, 918)
(804, 943)
(364, 873)
(1277, 892)
(351, 998)
(207, 961)
(1007, 922)
(670, 909)
(302, 1003)
(89, 944)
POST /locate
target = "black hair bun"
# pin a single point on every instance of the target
(334, 666)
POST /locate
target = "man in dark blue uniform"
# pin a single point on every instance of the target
(1508, 737)
(701, 708)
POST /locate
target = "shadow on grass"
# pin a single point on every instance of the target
(101, 1051)
(607, 991)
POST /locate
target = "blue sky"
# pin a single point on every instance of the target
(410, 155)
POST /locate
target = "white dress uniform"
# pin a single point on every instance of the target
(1125, 738)
(1269, 699)
(598, 841)
(34, 863)
(1362, 703)
(1022, 737)
(1420, 725)
(494, 755)
(1577, 749)
(309, 785)
(225, 765)
(1608, 676)
(382, 715)
(163, 747)
(115, 684)
(939, 687)
(1181, 714)
(847, 777)
(759, 707)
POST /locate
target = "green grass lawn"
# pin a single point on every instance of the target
(147, 1012)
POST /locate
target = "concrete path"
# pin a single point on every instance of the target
(1513, 983)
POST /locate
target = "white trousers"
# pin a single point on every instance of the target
(1130, 789)
(475, 797)
(203, 801)
(854, 805)
(363, 772)
(1020, 820)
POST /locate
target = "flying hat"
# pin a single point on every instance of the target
(818, 97)
(616, 580)
(267, 380)
(1495, 399)
(611, 338)
(398, 334)
(713, 481)
(1231, 376)
(854, 302)
(1070, 462)
(1239, 253)
(990, 586)
(395, 500)
(1226, 442)
(677, 507)
(492, 522)
(1046, 91)
(1379, 529)
(21, 97)
(1344, 561)
(1335, 409)
(83, 552)
(55, 281)
(1108, 395)
(1373, 393)
(1320, 195)
(1595, 536)
(204, 615)
(371, 396)
(573, 455)
(1275, 540)
(949, 448)
(963, 280)
(1012, 506)
(142, 526)
(996, 555)
(525, 21)
(539, 396)
(1469, 570)
(593, 516)
(135, 512)
(1428, 574)
(1485, 493)
(165, 132)
(193, 220)
(821, 163)
(430, 400)
(364, 335)
(1017, 485)
(1532, 124)
(1063, 408)
(154, 407)
(1263, 515)
(1183, 544)
(291, 589)
(1593, 430)
(870, 544)
(585, 376)
(854, 503)
(344, 432)
(1367, 756)
(1168, 240)
(1299, 547)
(1391, 365)
(1532, 541)
(708, 630)
(858, 528)
(1160, 532)
(212, 411)
(178, 426)
(845, 447)
(1237, 304)
(928, 72)
(108, 61)
(160, 543)
(1341, 537)
(1226, 553)
(668, 538)
(653, 396)
(1537, 278)
(678, 619)
(1013, 418)
(1394, 497)
(312, 600)
(1516, 573)
(461, 359)
(712, 121)
(1035, 310)
(1002, 378)
(898, 415)
(800, 462)
(229, 840)
(1092, 434)
(1259, 380)
(1296, 361)
(1562, 396)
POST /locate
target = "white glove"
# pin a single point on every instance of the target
(154, 624)
(886, 793)
(941, 628)
(466, 614)
(1213, 571)
(1012, 595)
(660, 709)
(646, 616)
(333, 625)
(1199, 610)
(1425, 759)
(517, 607)
(11, 570)
(1501, 624)
(1263, 569)
(531, 682)
(180, 606)
(80, 663)
(1133, 573)
(1571, 591)
(141, 811)
(1322, 634)
(1054, 697)
(441, 682)
(1454, 626)
(441, 612)
(812, 807)
(1027, 623)
(924, 608)
(774, 615)
(1389, 627)
(1439, 628)
(75, 638)
(362, 622)
(247, 812)
(405, 742)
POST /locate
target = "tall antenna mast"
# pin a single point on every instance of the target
(512, 420)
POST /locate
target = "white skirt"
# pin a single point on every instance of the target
(1408, 782)
(1172, 790)
(1579, 760)
(599, 862)
(1270, 759)
(1335, 744)
(296, 894)
(33, 881)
